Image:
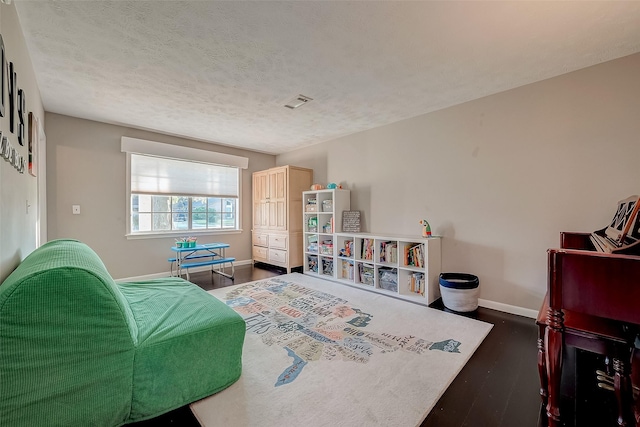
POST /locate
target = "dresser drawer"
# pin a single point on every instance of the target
(260, 239)
(276, 255)
(278, 242)
(260, 253)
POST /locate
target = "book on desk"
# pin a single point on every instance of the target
(623, 234)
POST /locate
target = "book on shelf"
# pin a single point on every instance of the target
(389, 252)
(416, 283)
(347, 269)
(367, 249)
(414, 256)
(623, 230)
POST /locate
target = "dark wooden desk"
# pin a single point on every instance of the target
(593, 302)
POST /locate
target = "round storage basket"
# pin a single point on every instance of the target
(459, 291)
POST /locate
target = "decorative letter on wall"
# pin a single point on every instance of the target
(3, 73)
(12, 98)
(21, 111)
(17, 103)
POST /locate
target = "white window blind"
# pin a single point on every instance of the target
(158, 175)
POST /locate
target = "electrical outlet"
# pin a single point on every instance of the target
(75, 209)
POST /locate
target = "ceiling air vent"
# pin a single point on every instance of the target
(298, 101)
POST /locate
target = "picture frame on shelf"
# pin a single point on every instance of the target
(351, 221)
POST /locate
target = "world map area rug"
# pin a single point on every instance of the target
(318, 353)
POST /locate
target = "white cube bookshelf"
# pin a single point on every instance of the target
(322, 217)
(389, 265)
(405, 267)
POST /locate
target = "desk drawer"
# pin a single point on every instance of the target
(260, 253)
(278, 242)
(260, 239)
(276, 255)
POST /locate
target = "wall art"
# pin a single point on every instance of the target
(11, 155)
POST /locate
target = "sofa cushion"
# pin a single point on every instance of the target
(65, 337)
(189, 344)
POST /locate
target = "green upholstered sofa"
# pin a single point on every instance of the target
(78, 349)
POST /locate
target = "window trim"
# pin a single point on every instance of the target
(179, 233)
(138, 146)
(151, 148)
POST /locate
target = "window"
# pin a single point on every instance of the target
(174, 195)
(155, 213)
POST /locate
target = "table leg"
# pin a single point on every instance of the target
(542, 365)
(622, 387)
(554, 340)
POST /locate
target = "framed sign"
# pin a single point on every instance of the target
(351, 221)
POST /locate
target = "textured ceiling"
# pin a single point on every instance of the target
(222, 71)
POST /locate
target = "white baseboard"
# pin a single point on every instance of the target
(166, 273)
(507, 308)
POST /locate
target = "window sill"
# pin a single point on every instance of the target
(174, 234)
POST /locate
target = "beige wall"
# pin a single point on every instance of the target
(18, 225)
(86, 168)
(501, 176)
(498, 177)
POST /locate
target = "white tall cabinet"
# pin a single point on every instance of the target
(277, 226)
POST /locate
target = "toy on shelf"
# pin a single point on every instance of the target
(426, 228)
(348, 247)
(316, 187)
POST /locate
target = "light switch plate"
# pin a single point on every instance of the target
(76, 209)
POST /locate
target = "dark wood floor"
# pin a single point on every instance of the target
(498, 387)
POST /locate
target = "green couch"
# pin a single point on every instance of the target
(78, 349)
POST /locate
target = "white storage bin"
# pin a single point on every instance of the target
(459, 291)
